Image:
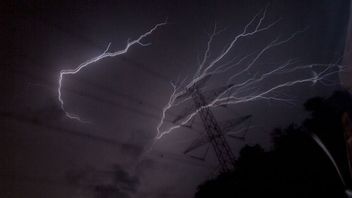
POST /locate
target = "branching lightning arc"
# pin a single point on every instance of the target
(239, 90)
(105, 54)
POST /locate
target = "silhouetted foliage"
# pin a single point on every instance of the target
(326, 121)
(295, 166)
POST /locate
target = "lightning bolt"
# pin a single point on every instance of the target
(238, 90)
(105, 54)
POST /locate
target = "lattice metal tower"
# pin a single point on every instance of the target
(213, 130)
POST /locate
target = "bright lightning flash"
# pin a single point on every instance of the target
(105, 54)
(239, 90)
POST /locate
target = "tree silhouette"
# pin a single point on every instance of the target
(295, 166)
(327, 121)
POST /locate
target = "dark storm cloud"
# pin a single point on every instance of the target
(101, 183)
(123, 97)
(118, 181)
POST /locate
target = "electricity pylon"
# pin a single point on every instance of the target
(213, 130)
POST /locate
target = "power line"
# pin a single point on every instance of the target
(62, 130)
(86, 40)
(100, 99)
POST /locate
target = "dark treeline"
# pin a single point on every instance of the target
(296, 166)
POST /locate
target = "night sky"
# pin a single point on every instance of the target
(45, 154)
